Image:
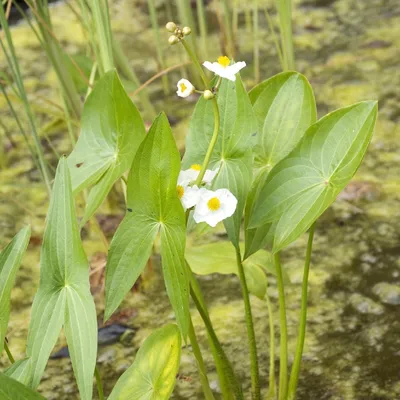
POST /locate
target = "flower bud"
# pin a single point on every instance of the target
(173, 40)
(186, 31)
(171, 26)
(208, 94)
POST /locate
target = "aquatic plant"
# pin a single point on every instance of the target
(259, 161)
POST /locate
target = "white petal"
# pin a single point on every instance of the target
(187, 176)
(190, 197)
(235, 68)
(210, 175)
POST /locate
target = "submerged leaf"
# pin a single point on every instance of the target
(112, 130)
(220, 257)
(152, 376)
(153, 207)
(284, 106)
(10, 260)
(303, 185)
(64, 294)
(232, 153)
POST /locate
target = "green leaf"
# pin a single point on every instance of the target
(20, 371)
(302, 186)
(11, 389)
(155, 207)
(232, 152)
(284, 106)
(64, 295)
(10, 260)
(220, 258)
(112, 130)
(152, 376)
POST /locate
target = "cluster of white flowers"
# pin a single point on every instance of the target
(209, 206)
(222, 68)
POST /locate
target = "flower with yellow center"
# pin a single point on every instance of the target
(191, 174)
(224, 68)
(185, 88)
(214, 206)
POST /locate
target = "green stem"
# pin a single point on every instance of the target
(256, 48)
(272, 388)
(158, 44)
(283, 343)
(274, 37)
(255, 377)
(212, 144)
(9, 355)
(200, 363)
(285, 24)
(228, 30)
(196, 63)
(103, 32)
(226, 375)
(294, 375)
(99, 383)
(201, 17)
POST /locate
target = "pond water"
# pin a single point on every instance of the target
(349, 50)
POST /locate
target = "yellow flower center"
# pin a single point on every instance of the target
(180, 191)
(196, 167)
(224, 61)
(183, 87)
(214, 204)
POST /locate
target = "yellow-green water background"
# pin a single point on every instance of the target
(350, 51)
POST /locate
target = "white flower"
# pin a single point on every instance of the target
(191, 174)
(185, 88)
(213, 207)
(223, 68)
(188, 195)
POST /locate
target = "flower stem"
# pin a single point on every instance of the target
(255, 378)
(216, 114)
(196, 63)
(200, 363)
(9, 355)
(283, 343)
(212, 144)
(99, 383)
(228, 381)
(294, 375)
(272, 388)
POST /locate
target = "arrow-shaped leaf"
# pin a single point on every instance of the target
(10, 260)
(64, 296)
(112, 130)
(284, 106)
(302, 186)
(152, 376)
(153, 206)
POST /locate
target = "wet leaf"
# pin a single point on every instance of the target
(112, 130)
(64, 296)
(303, 185)
(155, 207)
(284, 106)
(152, 376)
(11, 389)
(220, 258)
(232, 153)
(10, 260)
